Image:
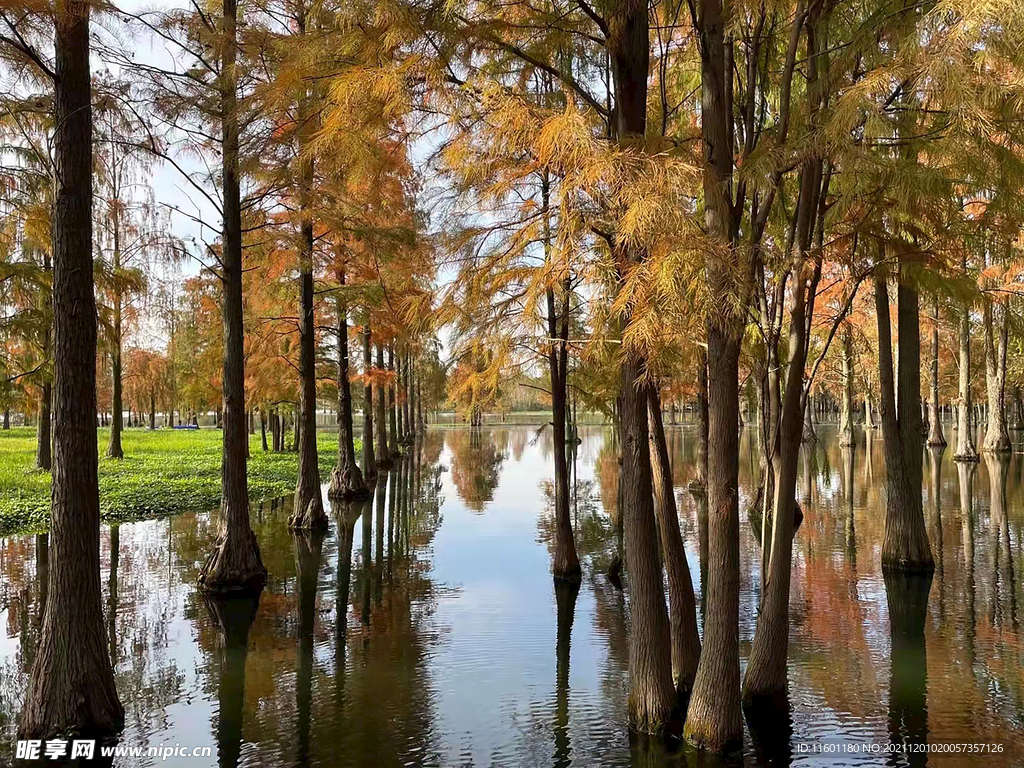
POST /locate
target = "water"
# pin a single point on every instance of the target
(424, 629)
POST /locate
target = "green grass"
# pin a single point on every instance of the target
(164, 472)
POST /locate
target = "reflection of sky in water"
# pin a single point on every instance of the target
(457, 664)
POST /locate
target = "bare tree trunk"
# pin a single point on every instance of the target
(114, 449)
(965, 449)
(71, 686)
(7, 418)
(347, 480)
(308, 512)
(905, 546)
(997, 437)
(935, 436)
(369, 460)
(682, 603)
(393, 449)
(651, 692)
(702, 418)
(714, 720)
(263, 428)
(383, 452)
(846, 416)
(235, 563)
(44, 438)
(152, 409)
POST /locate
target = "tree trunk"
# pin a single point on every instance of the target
(846, 415)
(935, 436)
(714, 720)
(43, 429)
(383, 451)
(369, 462)
(7, 418)
(651, 692)
(152, 409)
(965, 449)
(308, 512)
(235, 563)
(766, 679)
(905, 546)
(682, 603)
(71, 685)
(997, 437)
(114, 449)
(393, 450)
(702, 418)
(263, 428)
(347, 479)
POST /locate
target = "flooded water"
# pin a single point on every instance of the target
(424, 628)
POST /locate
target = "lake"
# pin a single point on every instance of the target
(424, 629)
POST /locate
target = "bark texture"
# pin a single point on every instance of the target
(682, 603)
(347, 480)
(651, 692)
(235, 563)
(308, 512)
(997, 437)
(71, 685)
(905, 545)
(369, 457)
(935, 436)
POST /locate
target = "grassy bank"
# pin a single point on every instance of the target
(163, 472)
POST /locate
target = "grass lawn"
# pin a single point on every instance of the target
(163, 472)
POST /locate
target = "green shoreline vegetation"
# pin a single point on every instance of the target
(163, 472)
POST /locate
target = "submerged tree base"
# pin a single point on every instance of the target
(234, 566)
(312, 518)
(348, 484)
(571, 574)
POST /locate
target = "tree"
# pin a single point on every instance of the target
(71, 687)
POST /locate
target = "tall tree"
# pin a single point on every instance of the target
(71, 687)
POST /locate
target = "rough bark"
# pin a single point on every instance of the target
(308, 512)
(235, 563)
(71, 685)
(682, 603)
(651, 692)
(905, 545)
(935, 436)
(714, 719)
(44, 439)
(347, 480)
(997, 437)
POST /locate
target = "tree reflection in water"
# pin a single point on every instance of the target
(907, 598)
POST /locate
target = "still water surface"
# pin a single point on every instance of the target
(424, 629)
